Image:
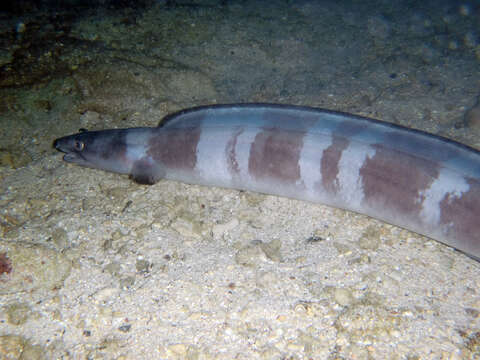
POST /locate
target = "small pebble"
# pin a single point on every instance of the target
(125, 328)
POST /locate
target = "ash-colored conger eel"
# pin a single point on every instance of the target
(421, 182)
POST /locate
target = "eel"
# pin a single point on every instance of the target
(415, 180)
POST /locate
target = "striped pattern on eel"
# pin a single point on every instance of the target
(418, 181)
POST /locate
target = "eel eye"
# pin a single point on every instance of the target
(78, 145)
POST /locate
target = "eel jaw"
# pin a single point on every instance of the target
(70, 156)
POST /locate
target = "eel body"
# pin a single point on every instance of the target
(418, 181)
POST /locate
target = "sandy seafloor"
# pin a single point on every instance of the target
(94, 266)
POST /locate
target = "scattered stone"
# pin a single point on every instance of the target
(343, 249)
(250, 255)
(5, 264)
(14, 347)
(186, 225)
(60, 238)
(43, 104)
(267, 279)
(370, 239)
(143, 266)
(106, 294)
(14, 159)
(125, 328)
(474, 313)
(472, 117)
(127, 282)
(33, 352)
(258, 251)
(319, 235)
(34, 267)
(272, 250)
(114, 268)
(219, 230)
(117, 194)
(18, 313)
(11, 346)
(178, 349)
(343, 296)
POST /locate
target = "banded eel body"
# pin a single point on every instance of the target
(408, 178)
